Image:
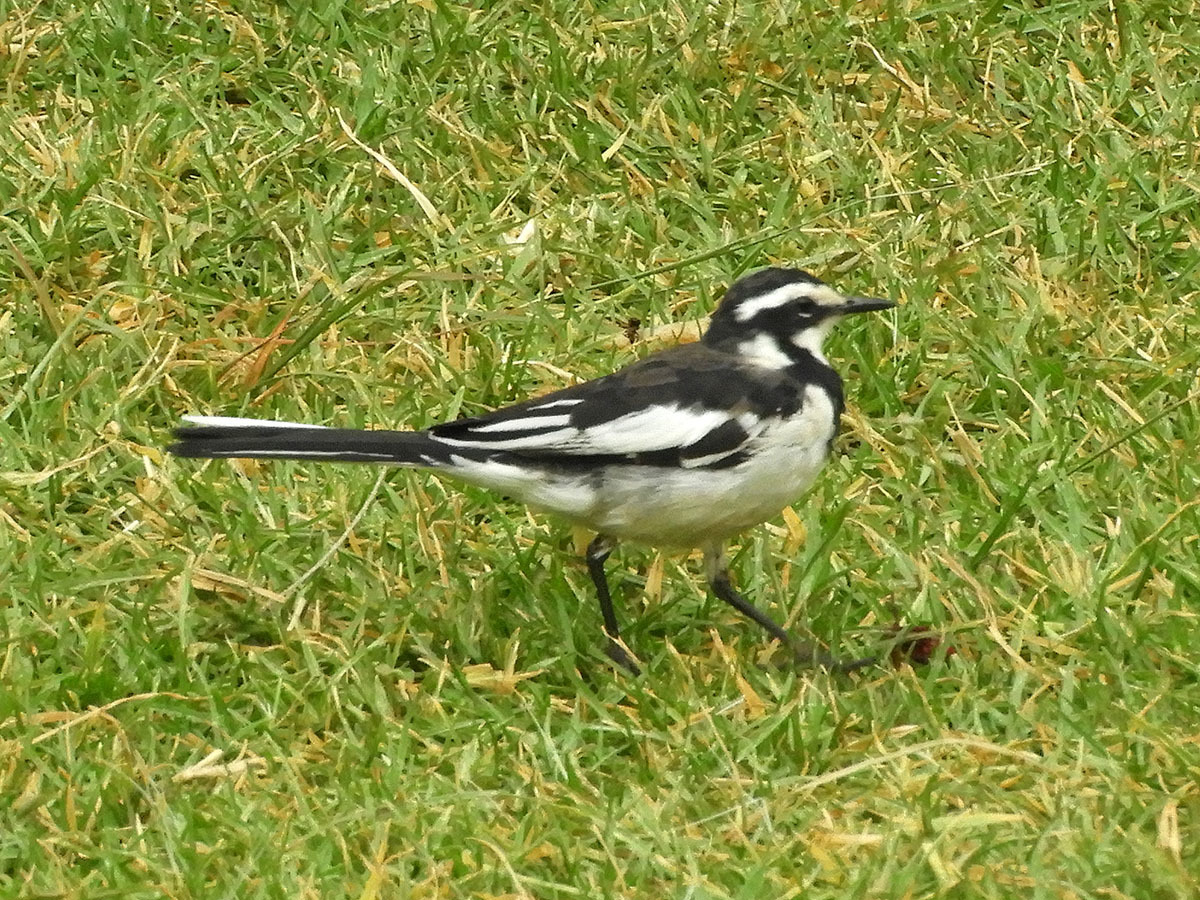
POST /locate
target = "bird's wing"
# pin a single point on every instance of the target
(690, 406)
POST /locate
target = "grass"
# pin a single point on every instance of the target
(197, 214)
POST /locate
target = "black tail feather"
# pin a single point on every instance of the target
(275, 441)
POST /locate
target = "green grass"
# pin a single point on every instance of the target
(187, 710)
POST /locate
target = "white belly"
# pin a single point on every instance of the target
(679, 508)
(693, 507)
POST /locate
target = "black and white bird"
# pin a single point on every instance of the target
(683, 449)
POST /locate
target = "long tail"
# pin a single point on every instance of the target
(209, 437)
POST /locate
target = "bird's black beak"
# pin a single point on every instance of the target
(864, 304)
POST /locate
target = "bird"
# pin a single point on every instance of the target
(680, 450)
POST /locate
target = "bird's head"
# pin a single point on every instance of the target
(774, 315)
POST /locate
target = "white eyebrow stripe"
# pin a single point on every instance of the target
(820, 294)
(239, 422)
(824, 295)
(771, 299)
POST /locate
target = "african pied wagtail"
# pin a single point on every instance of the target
(682, 449)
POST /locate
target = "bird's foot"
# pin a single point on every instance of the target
(809, 656)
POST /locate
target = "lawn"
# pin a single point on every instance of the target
(287, 680)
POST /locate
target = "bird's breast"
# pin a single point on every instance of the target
(694, 507)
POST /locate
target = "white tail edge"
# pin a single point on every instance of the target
(238, 422)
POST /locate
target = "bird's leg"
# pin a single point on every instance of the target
(805, 653)
(597, 552)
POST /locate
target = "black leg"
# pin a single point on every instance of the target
(805, 652)
(597, 552)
